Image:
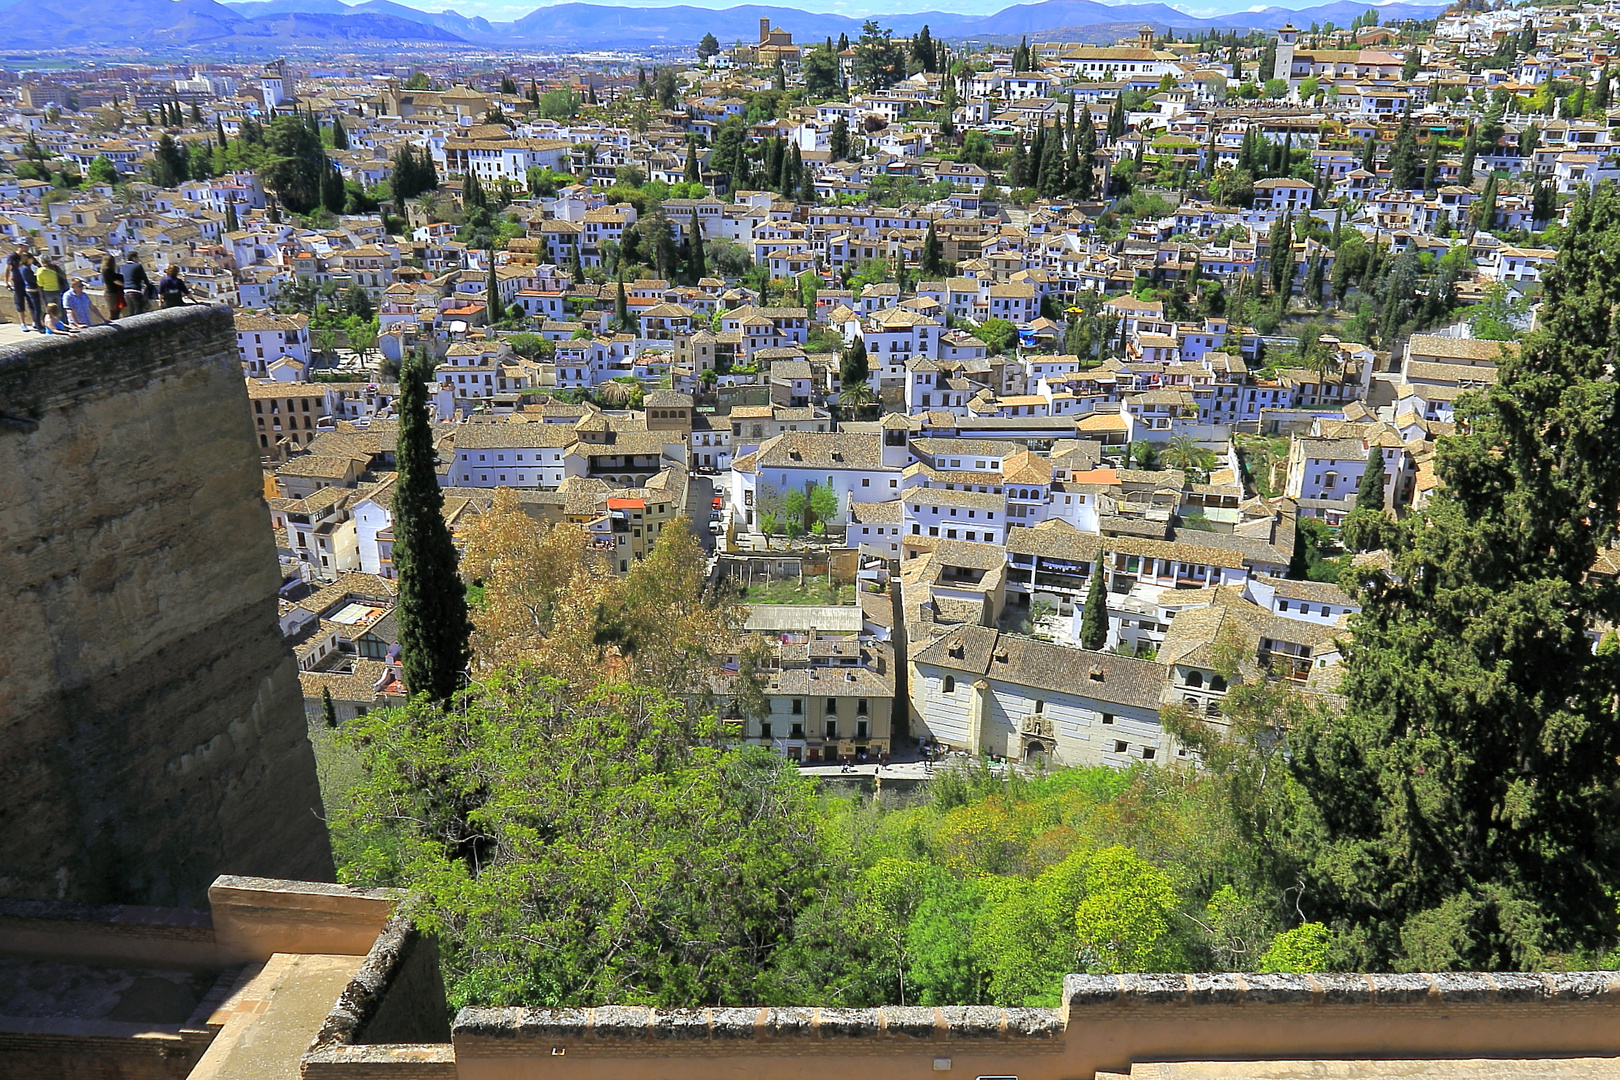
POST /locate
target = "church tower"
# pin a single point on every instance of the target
(1286, 37)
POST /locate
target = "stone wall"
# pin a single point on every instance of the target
(151, 725)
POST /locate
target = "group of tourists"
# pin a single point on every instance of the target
(44, 306)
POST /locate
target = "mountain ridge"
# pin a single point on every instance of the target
(268, 24)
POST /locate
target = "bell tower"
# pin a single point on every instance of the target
(1286, 37)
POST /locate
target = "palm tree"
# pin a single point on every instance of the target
(856, 398)
(1184, 454)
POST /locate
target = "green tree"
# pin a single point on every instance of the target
(1303, 949)
(1124, 920)
(431, 609)
(852, 367)
(880, 61)
(101, 171)
(933, 264)
(1370, 492)
(1465, 795)
(1094, 616)
(328, 709)
(822, 76)
(709, 46)
(494, 311)
(668, 870)
(296, 165)
(1403, 157)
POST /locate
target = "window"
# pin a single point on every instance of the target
(1147, 753)
(860, 706)
(1040, 707)
(1107, 718)
(1195, 679)
(950, 684)
(832, 729)
(1122, 747)
(798, 706)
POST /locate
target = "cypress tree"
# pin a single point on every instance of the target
(1299, 564)
(852, 367)
(1469, 150)
(932, 264)
(1431, 167)
(231, 222)
(1370, 493)
(1085, 178)
(697, 265)
(1116, 119)
(1403, 163)
(494, 311)
(333, 194)
(431, 610)
(340, 134)
(621, 305)
(691, 175)
(219, 132)
(1465, 795)
(1094, 617)
(328, 709)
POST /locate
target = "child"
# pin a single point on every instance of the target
(54, 323)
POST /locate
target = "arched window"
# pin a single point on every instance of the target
(1212, 709)
(950, 684)
(1217, 682)
(1195, 679)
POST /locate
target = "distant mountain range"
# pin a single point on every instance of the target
(268, 25)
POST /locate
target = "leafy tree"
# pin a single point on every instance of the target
(1124, 920)
(998, 334)
(822, 75)
(432, 606)
(880, 61)
(1303, 949)
(1464, 796)
(559, 104)
(670, 870)
(1094, 616)
(708, 47)
(101, 170)
(297, 164)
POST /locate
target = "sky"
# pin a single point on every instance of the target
(498, 11)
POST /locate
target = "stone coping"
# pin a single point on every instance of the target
(364, 994)
(1472, 987)
(621, 1024)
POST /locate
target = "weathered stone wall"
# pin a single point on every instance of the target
(151, 725)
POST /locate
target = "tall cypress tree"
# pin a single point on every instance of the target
(697, 263)
(494, 311)
(1370, 493)
(431, 610)
(1094, 616)
(932, 264)
(1465, 796)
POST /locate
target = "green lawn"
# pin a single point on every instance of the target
(815, 591)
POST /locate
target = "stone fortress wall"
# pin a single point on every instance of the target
(152, 731)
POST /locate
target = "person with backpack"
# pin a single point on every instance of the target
(172, 288)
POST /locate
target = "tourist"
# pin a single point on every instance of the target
(51, 281)
(31, 279)
(112, 283)
(81, 309)
(54, 323)
(137, 286)
(172, 288)
(24, 290)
